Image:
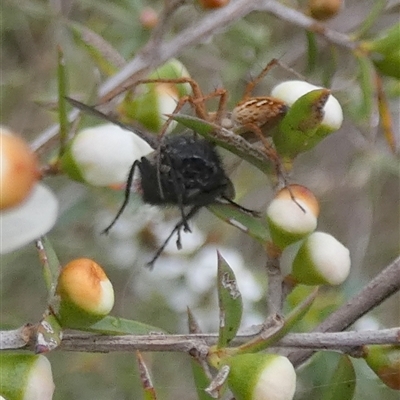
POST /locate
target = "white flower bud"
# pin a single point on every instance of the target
(292, 215)
(261, 377)
(30, 220)
(290, 91)
(321, 259)
(104, 154)
(26, 377)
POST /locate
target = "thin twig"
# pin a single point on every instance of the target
(207, 27)
(201, 342)
(274, 297)
(378, 290)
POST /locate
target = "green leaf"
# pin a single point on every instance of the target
(173, 69)
(110, 325)
(48, 334)
(143, 108)
(261, 343)
(103, 53)
(343, 381)
(298, 128)
(51, 265)
(312, 52)
(193, 325)
(227, 140)
(230, 303)
(147, 385)
(201, 380)
(62, 104)
(366, 78)
(201, 374)
(249, 224)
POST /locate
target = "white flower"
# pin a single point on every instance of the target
(321, 259)
(290, 91)
(292, 215)
(104, 154)
(261, 377)
(27, 222)
(40, 384)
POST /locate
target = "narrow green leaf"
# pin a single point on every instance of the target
(343, 381)
(298, 128)
(261, 343)
(193, 325)
(385, 115)
(110, 325)
(227, 140)
(312, 52)
(62, 104)
(48, 334)
(102, 52)
(201, 380)
(230, 303)
(376, 10)
(51, 265)
(147, 385)
(201, 373)
(249, 224)
(366, 79)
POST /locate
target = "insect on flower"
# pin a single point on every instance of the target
(184, 170)
(252, 118)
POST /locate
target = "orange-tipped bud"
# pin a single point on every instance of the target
(292, 215)
(86, 293)
(210, 4)
(324, 9)
(19, 169)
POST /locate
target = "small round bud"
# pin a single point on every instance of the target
(210, 4)
(261, 377)
(292, 215)
(26, 377)
(103, 155)
(384, 360)
(324, 9)
(155, 99)
(321, 260)
(148, 18)
(19, 169)
(85, 291)
(290, 91)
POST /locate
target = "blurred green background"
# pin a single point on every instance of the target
(352, 172)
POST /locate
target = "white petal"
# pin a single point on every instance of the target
(290, 91)
(330, 257)
(40, 384)
(287, 214)
(277, 381)
(106, 153)
(27, 222)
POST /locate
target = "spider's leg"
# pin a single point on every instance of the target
(254, 82)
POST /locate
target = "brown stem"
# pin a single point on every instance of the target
(378, 290)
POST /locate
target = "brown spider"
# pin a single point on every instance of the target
(252, 117)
